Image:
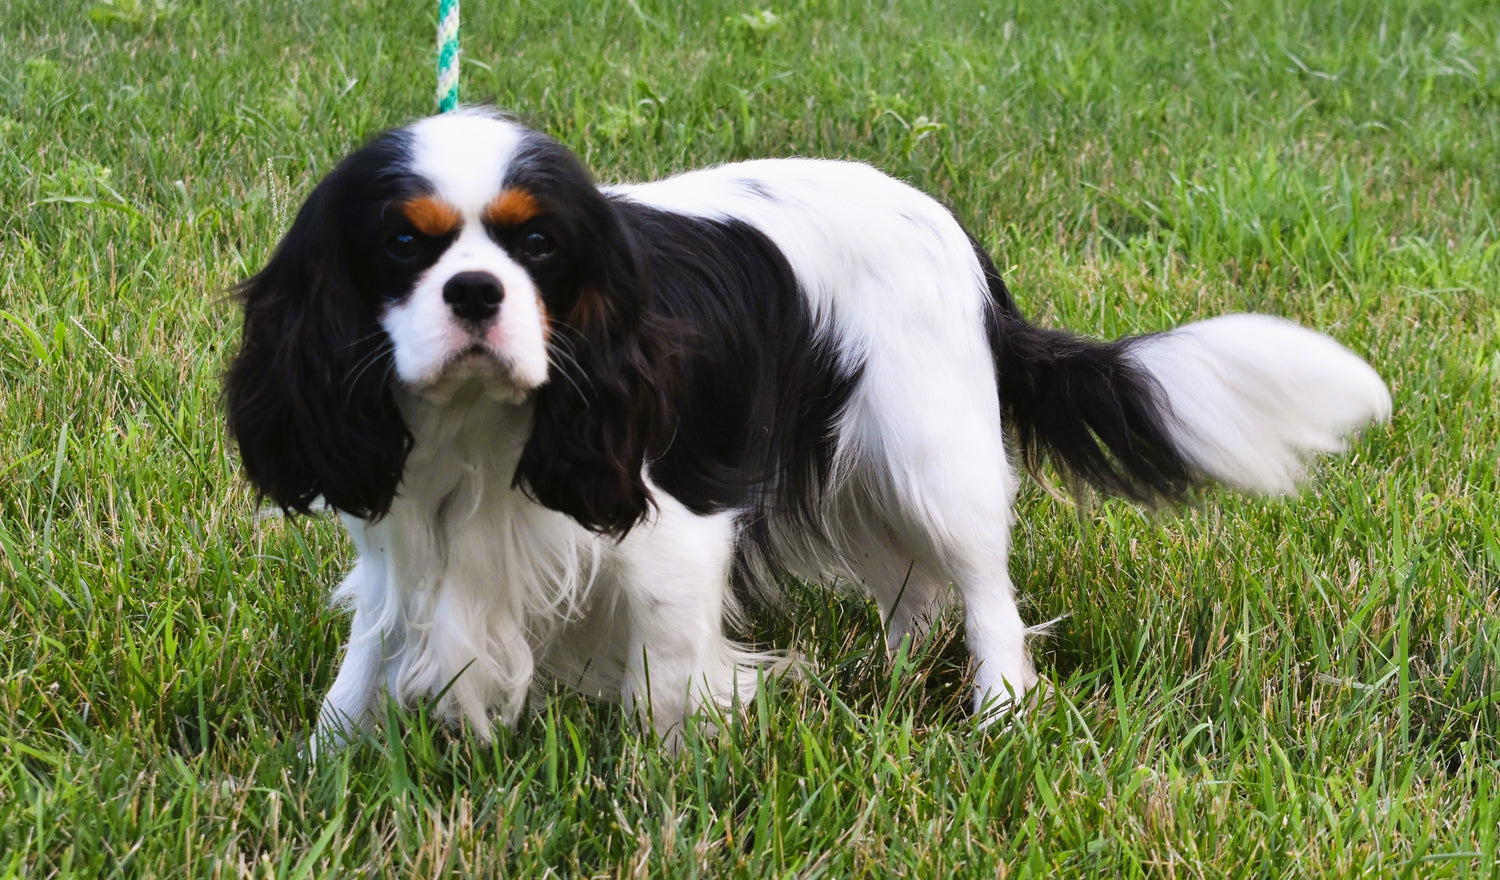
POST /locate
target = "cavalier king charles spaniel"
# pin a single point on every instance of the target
(570, 428)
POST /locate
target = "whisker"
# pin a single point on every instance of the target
(369, 358)
(377, 332)
(563, 346)
(364, 364)
(565, 359)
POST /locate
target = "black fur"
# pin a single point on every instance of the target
(1097, 412)
(678, 345)
(757, 392)
(605, 404)
(680, 342)
(309, 395)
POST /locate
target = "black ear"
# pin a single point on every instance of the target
(604, 407)
(309, 395)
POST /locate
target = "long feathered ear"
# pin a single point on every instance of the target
(309, 394)
(604, 407)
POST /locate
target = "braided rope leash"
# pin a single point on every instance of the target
(447, 40)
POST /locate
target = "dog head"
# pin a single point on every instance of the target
(463, 260)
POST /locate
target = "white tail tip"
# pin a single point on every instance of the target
(1253, 397)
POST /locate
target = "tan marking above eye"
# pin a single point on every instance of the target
(432, 216)
(511, 207)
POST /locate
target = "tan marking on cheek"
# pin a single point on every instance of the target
(431, 216)
(588, 309)
(511, 207)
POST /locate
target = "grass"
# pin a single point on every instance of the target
(1251, 688)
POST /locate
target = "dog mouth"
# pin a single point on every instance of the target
(472, 372)
(475, 357)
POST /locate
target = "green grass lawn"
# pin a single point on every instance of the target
(1252, 688)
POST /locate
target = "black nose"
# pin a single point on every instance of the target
(473, 296)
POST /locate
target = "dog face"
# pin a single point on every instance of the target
(464, 251)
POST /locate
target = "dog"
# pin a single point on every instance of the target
(571, 428)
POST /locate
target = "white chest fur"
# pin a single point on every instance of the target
(465, 586)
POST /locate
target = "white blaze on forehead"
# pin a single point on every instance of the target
(465, 156)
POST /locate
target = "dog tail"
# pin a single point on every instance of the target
(1243, 399)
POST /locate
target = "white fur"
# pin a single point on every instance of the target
(426, 338)
(464, 156)
(469, 589)
(922, 491)
(470, 586)
(1255, 396)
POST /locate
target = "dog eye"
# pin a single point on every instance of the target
(536, 246)
(403, 247)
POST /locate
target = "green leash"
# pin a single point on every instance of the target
(447, 40)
